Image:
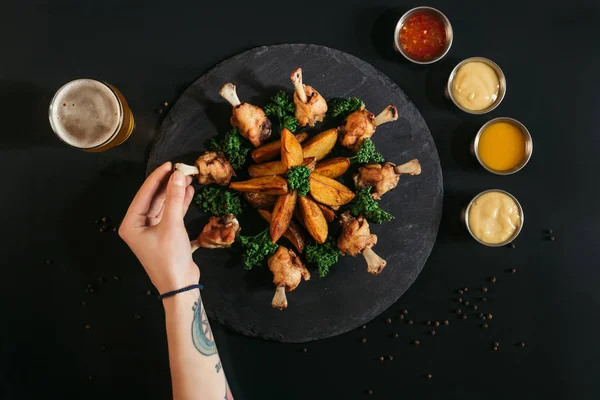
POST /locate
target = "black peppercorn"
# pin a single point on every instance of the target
(116, 278)
(416, 342)
(405, 311)
(428, 322)
(381, 358)
(552, 238)
(460, 300)
(550, 231)
(459, 311)
(464, 316)
(481, 315)
(490, 316)
(396, 336)
(91, 290)
(90, 378)
(104, 219)
(484, 318)
(522, 344)
(148, 292)
(437, 323)
(102, 348)
(484, 299)
(446, 322)
(460, 291)
(401, 316)
(136, 316)
(432, 333)
(485, 326)
(304, 350)
(467, 303)
(410, 322)
(475, 307)
(97, 221)
(364, 340)
(512, 246)
(388, 320)
(513, 270)
(83, 303)
(484, 289)
(495, 348)
(390, 358)
(369, 392)
(429, 376)
(465, 290)
(48, 262)
(493, 279)
(496, 344)
(364, 327)
(87, 326)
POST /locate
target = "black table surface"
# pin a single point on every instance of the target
(52, 249)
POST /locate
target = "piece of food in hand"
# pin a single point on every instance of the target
(295, 234)
(321, 144)
(364, 205)
(272, 150)
(384, 177)
(324, 255)
(361, 124)
(291, 150)
(332, 167)
(218, 233)
(356, 237)
(260, 201)
(311, 107)
(311, 216)
(218, 201)
(288, 271)
(328, 213)
(250, 120)
(282, 215)
(275, 185)
(329, 191)
(211, 167)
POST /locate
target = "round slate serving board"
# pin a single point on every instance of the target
(348, 296)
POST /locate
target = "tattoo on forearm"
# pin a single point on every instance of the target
(218, 366)
(201, 333)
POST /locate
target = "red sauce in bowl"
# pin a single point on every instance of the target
(423, 36)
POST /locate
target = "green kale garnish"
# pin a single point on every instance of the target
(324, 255)
(363, 204)
(283, 107)
(256, 248)
(367, 153)
(218, 202)
(340, 107)
(297, 179)
(235, 147)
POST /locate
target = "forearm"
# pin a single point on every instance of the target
(196, 370)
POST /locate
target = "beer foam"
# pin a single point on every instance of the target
(85, 113)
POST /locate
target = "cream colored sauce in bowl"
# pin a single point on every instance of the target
(494, 217)
(475, 86)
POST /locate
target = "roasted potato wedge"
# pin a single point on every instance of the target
(272, 150)
(313, 219)
(328, 213)
(329, 191)
(320, 145)
(333, 167)
(275, 185)
(265, 169)
(282, 215)
(295, 234)
(260, 201)
(310, 163)
(291, 150)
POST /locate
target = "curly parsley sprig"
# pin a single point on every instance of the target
(324, 255)
(235, 147)
(297, 179)
(339, 107)
(367, 153)
(256, 248)
(282, 106)
(218, 202)
(363, 204)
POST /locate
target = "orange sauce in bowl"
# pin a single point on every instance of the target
(501, 146)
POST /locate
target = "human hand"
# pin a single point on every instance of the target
(153, 228)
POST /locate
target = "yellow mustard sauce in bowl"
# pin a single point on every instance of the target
(494, 218)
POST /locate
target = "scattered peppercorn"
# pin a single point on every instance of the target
(465, 290)
(496, 344)
(437, 323)
(484, 299)
(390, 358)
(460, 291)
(410, 322)
(405, 311)
(136, 316)
(475, 307)
(114, 229)
(101, 280)
(91, 291)
(102, 348)
(428, 322)
(513, 270)
(464, 316)
(460, 300)
(104, 219)
(48, 262)
(512, 246)
(364, 340)
(481, 315)
(97, 221)
(90, 378)
(522, 344)
(432, 332)
(396, 336)
(495, 348)
(467, 303)
(381, 358)
(304, 350)
(484, 318)
(388, 320)
(401, 316)
(416, 342)
(493, 279)
(87, 326)
(369, 392)
(490, 316)
(446, 322)
(364, 327)
(89, 285)
(459, 311)
(552, 238)
(484, 289)
(101, 229)
(159, 110)
(485, 326)
(148, 292)
(166, 104)
(429, 376)
(116, 278)
(83, 303)
(550, 231)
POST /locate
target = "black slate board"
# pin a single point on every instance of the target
(348, 296)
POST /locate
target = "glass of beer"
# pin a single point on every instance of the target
(90, 115)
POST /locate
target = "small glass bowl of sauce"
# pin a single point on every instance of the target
(494, 218)
(503, 146)
(423, 35)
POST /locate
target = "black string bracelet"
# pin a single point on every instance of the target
(182, 290)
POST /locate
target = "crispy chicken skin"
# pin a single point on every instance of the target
(213, 167)
(361, 124)
(384, 177)
(251, 121)
(219, 232)
(311, 107)
(288, 271)
(356, 238)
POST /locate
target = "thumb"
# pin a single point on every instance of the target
(173, 207)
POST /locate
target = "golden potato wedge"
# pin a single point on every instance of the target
(295, 234)
(266, 169)
(333, 167)
(260, 201)
(313, 219)
(328, 213)
(291, 150)
(275, 185)
(320, 145)
(272, 150)
(329, 191)
(310, 163)
(282, 215)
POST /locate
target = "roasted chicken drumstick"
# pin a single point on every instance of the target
(218, 233)
(361, 124)
(211, 167)
(250, 120)
(384, 177)
(356, 237)
(311, 107)
(288, 271)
